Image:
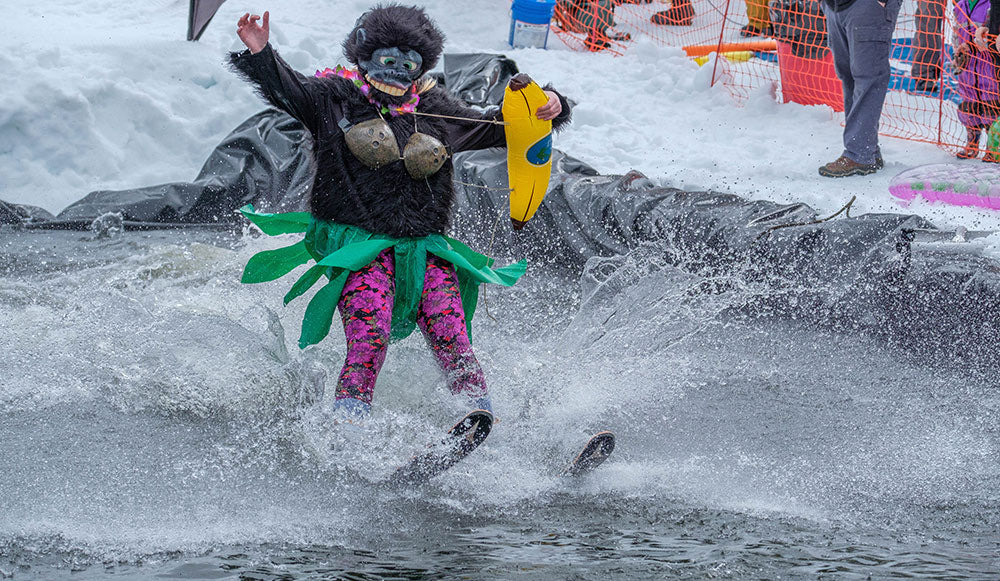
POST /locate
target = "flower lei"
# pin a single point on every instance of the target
(366, 89)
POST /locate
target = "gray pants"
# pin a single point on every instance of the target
(860, 37)
(927, 40)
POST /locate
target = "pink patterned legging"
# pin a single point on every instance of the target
(366, 309)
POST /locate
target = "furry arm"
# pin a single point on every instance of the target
(302, 97)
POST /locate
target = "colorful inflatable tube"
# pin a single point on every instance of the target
(529, 148)
(957, 184)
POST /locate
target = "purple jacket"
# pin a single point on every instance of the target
(977, 83)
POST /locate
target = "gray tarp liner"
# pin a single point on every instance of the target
(264, 161)
(890, 275)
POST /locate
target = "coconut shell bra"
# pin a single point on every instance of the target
(374, 144)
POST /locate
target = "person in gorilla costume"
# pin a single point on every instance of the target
(381, 198)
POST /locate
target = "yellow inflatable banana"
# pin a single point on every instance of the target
(529, 148)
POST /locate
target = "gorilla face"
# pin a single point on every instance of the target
(392, 70)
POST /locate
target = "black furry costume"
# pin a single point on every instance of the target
(384, 200)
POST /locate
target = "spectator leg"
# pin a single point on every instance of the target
(927, 41)
(860, 38)
(757, 15)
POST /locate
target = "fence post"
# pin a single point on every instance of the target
(941, 80)
(718, 47)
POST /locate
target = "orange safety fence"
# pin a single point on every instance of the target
(943, 85)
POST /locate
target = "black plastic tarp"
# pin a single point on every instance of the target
(264, 161)
(891, 275)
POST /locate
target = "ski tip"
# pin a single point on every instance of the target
(597, 449)
(603, 441)
(607, 437)
(476, 420)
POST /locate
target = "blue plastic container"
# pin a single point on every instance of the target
(529, 23)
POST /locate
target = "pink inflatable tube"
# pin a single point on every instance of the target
(958, 184)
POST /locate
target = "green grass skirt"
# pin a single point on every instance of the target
(338, 250)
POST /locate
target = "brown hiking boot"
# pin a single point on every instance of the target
(844, 166)
(971, 149)
(680, 13)
(968, 152)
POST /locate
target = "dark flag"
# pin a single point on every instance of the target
(200, 15)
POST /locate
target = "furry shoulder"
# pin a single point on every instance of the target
(340, 88)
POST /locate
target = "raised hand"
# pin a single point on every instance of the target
(252, 34)
(981, 36)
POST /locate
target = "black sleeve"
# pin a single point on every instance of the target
(300, 96)
(469, 135)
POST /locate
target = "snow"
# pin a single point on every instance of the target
(107, 94)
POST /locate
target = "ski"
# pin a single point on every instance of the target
(594, 453)
(460, 441)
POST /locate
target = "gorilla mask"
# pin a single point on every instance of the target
(393, 46)
(392, 70)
